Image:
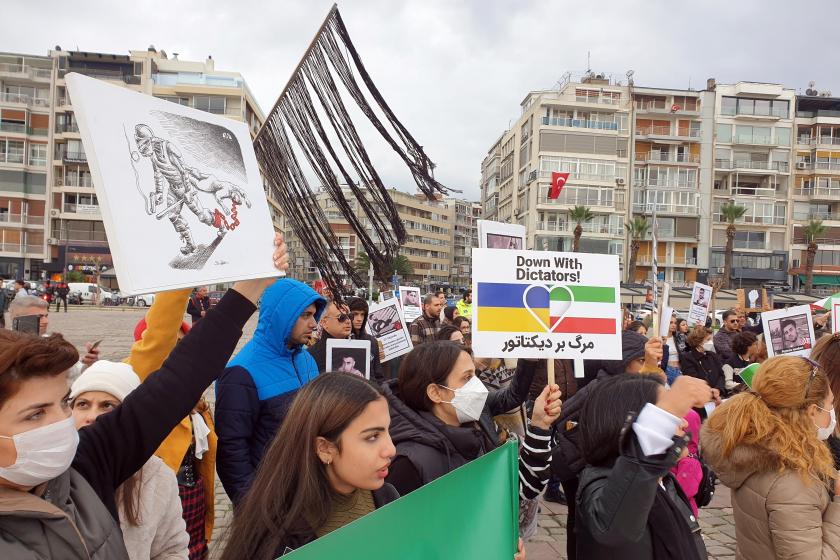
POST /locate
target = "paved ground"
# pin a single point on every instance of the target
(116, 325)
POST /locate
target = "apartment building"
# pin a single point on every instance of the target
(25, 112)
(667, 127)
(752, 155)
(464, 238)
(816, 188)
(50, 222)
(582, 128)
(490, 174)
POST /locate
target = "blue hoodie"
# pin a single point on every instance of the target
(254, 393)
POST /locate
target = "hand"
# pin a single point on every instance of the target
(520, 551)
(253, 289)
(686, 393)
(821, 320)
(203, 313)
(91, 355)
(716, 396)
(547, 407)
(653, 352)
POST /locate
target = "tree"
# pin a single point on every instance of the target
(730, 212)
(400, 266)
(813, 231)
(637, 229)
(580, 215)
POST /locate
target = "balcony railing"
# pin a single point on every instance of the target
(20, 248)
(580, 123)
(20, 70)
(583, 199)
(7, 218)
(569, 227)
(102, 74)
(24, 99)
(667, 131)
(667, 157)
(663, 107)
(782, 166)
(74, 157)
(753, 140)
(777, 113)
(820, 192)
(765, 220)
(11, 157)
(642, 208)
(72, 181)
(756, 191)
(807, 216)
(66, 127)
(672, 184)
(604, 178)
(602, 100)
(647, 260)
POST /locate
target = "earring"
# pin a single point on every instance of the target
(328, 462)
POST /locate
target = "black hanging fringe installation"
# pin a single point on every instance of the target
(295, 117)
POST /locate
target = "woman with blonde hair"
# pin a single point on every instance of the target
(768, 446)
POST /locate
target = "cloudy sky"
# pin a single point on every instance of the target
(455, 72)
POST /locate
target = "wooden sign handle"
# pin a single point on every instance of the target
(550, 370)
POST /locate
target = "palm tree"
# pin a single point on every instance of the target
(813, 231)
(637, 229)
(400, 266)
(580, 215)
(730, 212)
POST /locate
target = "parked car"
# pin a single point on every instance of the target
(144, 300)
(88, 291)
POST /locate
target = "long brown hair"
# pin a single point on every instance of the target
(775, 417)
(128, 498)
(826, 352)
(291, 495)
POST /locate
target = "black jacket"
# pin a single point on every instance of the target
(196, 305)
(705, 366)
(428, 449)
(615, 505)
(381, 497)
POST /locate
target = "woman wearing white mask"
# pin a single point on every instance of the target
(769, 447)
(148, 502)
(441, 418)
(57, 485)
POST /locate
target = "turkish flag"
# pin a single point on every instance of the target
(558, 181)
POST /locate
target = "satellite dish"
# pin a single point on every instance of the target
(810, 92)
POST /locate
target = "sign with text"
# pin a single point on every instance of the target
(541, 304)
(387, 325)
(701, 298)
(789, 331)
(411, 303)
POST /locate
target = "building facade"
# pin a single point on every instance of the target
(49, 196)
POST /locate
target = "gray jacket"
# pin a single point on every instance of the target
(69, 522)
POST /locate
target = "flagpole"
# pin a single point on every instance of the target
(655, 270)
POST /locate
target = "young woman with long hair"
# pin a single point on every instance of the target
(826, 352)
(768, 446)
(325, 468)
(148, 502)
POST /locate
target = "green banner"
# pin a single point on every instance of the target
(473, 512)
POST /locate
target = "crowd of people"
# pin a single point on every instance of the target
(117, 460)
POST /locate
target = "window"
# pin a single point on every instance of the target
(724, 133)
(749, 239)
(783, 136)
(758, 107)
(11, 151)
(762, 107)
(210, 103)
(728, 105)
(38, 155)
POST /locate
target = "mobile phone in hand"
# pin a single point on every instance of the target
(27, 324)
(96, 344)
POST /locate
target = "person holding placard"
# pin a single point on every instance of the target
(768, 446)
(255, 391)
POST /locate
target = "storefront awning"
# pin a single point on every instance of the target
(823, 280)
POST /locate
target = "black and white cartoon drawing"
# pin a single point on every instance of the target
(183, 170)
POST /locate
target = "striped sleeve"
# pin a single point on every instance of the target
(534, 462)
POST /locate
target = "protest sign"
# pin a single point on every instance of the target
(422, 524)
(789, 331)
(540, 304)
(748, 373)
(349, 356)
(410, 298)
(498, 235)
(179, 189)
(701, 298)
(387, 325)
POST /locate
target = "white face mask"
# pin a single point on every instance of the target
(824, 433)
(469, 400)
(42, 453)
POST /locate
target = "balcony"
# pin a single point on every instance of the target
(753, 140)
(73, 157)
(758, 220)
(821, 193)
(21, 99)
(21, 249)
(661, 107)
(818, 141)
(780, 166)
(761, 192)
(103, 74)
(11, 157)
(583, 199)
(646, 260)
(23, 71)
(192, 78)
(71, 181)
(20, 219)
(61, 128)
(666, 157)
(602, 178)
(668, 132)
(808, 216)
(569, 227)
(598, 99)
(580, 123)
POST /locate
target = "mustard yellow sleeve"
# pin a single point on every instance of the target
(163, 321)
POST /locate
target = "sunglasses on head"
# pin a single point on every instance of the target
(815, 367)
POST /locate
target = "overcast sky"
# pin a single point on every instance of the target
(455, 72)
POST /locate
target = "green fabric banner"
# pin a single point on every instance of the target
(473, 512)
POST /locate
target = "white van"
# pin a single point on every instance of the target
(88, 290)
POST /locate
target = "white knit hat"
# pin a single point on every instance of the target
(115, 378)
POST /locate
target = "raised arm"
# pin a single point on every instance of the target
(163, 321)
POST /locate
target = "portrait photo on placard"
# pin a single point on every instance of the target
(789, 331)
(349, 356)
(498, 241)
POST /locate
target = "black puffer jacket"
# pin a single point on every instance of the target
(705, 366)
(428, 449)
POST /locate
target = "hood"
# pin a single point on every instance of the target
(274, 367)
(632, 347)
(358, 304)
(408, 425)
(742, 463)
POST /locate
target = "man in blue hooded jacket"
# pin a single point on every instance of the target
(254, 393)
